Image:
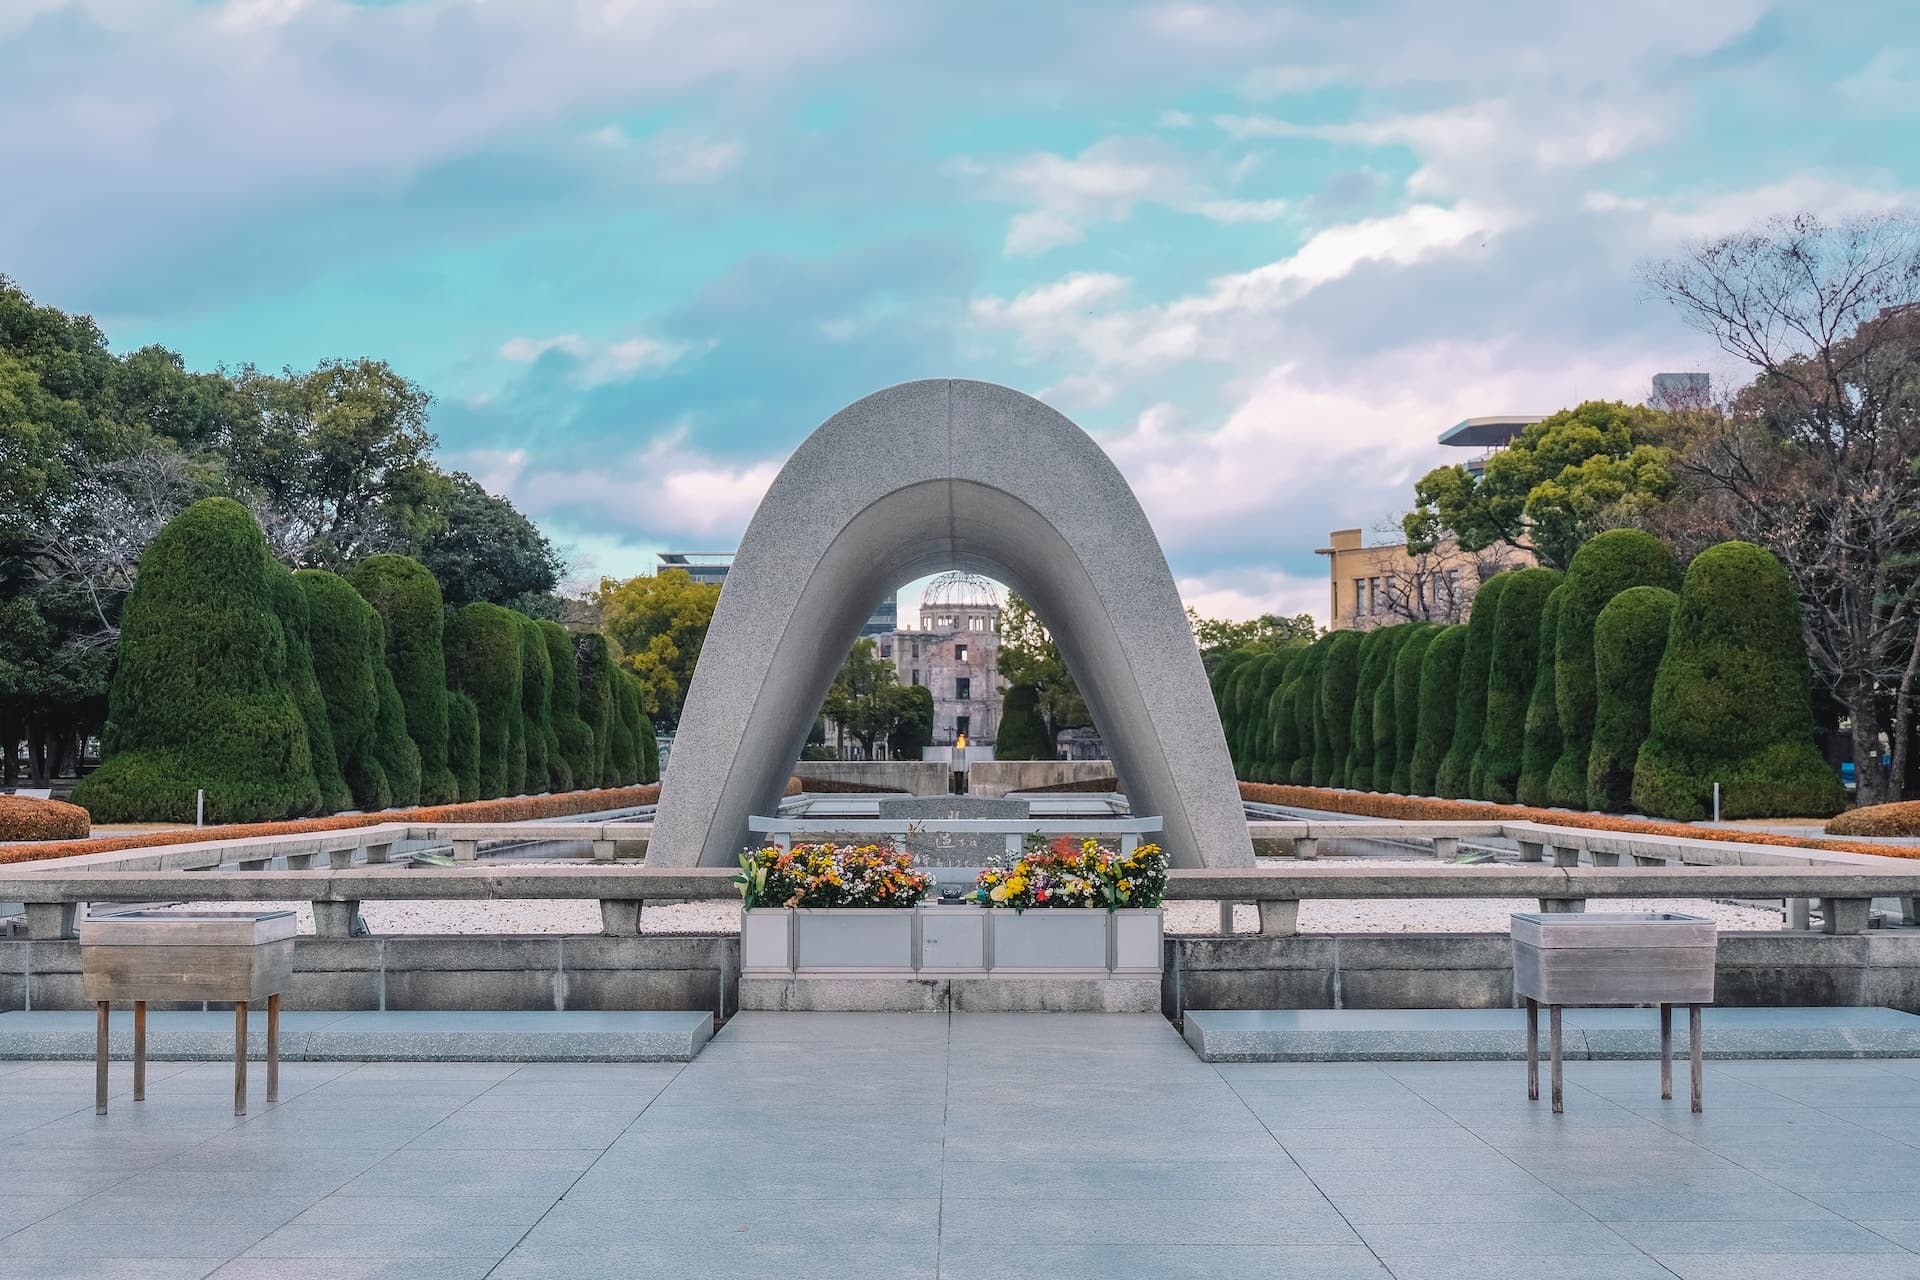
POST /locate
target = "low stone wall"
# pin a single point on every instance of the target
(523, 971)
(915, 777)
(998, 777)
(1308, 971)
(1475, 971)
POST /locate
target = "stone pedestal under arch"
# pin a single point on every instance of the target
(912, 480)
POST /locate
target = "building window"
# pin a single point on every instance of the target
(963, 688)
(916, 675)
(976, 624)
(959, 653)
(1453, 584)
(1359, 596)
(886, 648)
(944, 624)
(1375, 598)
(961, 724)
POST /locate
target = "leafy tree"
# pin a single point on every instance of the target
(290, 603)
(202, 696)
(1629, 640)
(1218, 637)
(1455, 777)
(1407, 666)
(339, 455)
(1028, 656)
(481, 547)
(1606, 566)
(392, 747)
(483, 662)
(1814, 459)
(1732, 702)
(1022, 734)
(345, 656)
(1541, 750)
(1439, 706)
(1595, 466)
(1510, 683)
(868, 703)
(1376, 660)
(413, 622)
(1339, 677)
(1385, 726)
(659, 623)
(572, 757)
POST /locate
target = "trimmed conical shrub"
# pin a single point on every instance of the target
(1608, 564)
(463, 744)
(1510, 680)
(1376, 661)
(1271, 675)
(593, 662)
(570, 732)
(649, 743)
(346, 652)
(1283, 736)
(201, 696)
(1385, 707)
(1455, 777)
(1407, 666)
(1439, 704)
(1305, 706)
(1542, 748)
(1023, 734)
(1339, 677)
(393, 747)
(1629, 639)
(290, 603)
(536, 691)
(483, 662)
(413, 619)
(1732, 702)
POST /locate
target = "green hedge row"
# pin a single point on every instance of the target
(291, 694)
(1604, 688)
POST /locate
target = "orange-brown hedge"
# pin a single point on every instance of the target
(515, 809)
(1901, 818)
(1415, 808)
(28, 818)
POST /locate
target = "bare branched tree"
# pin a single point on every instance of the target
(1815, 460)
(1436, 585)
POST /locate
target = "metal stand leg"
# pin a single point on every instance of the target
(1666, 1053)
(273, 1048)
(1553, 1025)
(240, 1058)
(100, 1061)
(139, 1050)
(1693, 1033)
(1533, 1050)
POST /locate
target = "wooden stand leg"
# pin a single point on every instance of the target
(273, 1048)
(240, 1058)
(100, 1061)
(139, 1050)
(1693, 1033)
(1533, 1050)
(1666, 1053)
(1553, 1025)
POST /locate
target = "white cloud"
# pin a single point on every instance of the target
(1238, 595)
(598, 363)
(676, 158)
(667, 487)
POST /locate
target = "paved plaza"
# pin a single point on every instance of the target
(971, 1147)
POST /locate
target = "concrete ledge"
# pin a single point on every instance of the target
(175, 1036)
(1470, 1035)
(955, 995)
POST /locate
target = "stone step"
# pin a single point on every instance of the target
(415, 1036)
(1468, 1035)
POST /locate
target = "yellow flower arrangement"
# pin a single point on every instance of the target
(1075, 873)
(829, 875)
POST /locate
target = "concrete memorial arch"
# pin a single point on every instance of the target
(916, 479)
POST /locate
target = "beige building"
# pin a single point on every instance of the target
(1374, 586)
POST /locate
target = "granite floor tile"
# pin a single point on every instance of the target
(97, 1268)
(1530, 1266)
(1302, 1220)
(988, 1260)
(48, 1239)
(1699, 1206)
(476, 1268)
(1368, 1209)
(1826, 1236)
(390, 1240)
(1792, 1266)
(1275, 1180)
(20, 1211)
(440, 1210)
(1509, 1239)
(1904, 1232)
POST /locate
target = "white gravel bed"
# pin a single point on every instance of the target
(1382, 915)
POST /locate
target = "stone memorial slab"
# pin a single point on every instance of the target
(952, 848)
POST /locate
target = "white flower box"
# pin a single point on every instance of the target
(950, 941)
(853, 940)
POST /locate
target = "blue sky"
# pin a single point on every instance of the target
(637, 249)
